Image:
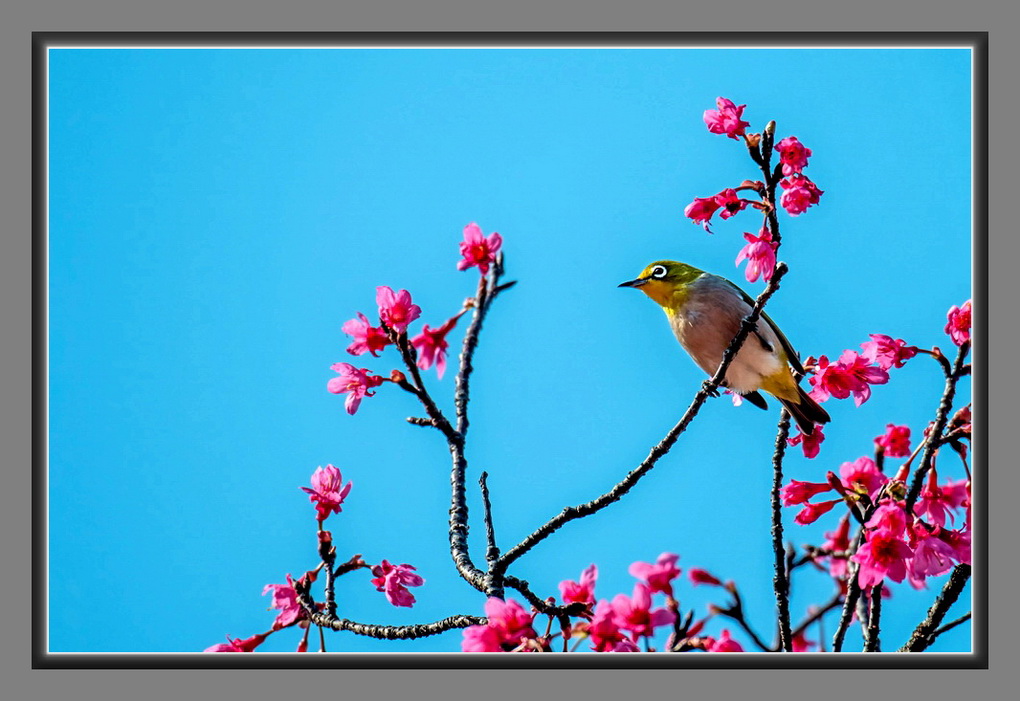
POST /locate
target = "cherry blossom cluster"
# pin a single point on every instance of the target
(396, 313)
(327, 493)
(621, 624)
(897, 541)
(854, 372)
(799, 192)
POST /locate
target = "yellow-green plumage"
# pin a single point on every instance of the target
(705, 312)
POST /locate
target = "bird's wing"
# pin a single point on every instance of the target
(791, 355)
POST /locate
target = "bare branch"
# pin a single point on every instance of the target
(928, 629)
(571, 513)
(781, 578)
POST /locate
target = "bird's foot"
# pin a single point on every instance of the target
(709, 388)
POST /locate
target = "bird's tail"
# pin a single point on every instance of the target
(806, 412)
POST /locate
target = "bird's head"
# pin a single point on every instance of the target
(663, 279)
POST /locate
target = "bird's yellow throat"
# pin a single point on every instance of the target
(669, 295)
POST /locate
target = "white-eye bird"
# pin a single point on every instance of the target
(705, 312)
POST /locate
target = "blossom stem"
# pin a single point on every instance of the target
(571, 513)
(928, 629)
(781, 578)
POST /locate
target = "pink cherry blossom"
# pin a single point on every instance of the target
(238, 645)
(478, 250)
(884, 554)
(700, 576)
(793, 155)
(700, 211)
(932, 555)
(838, 542)
(482, 638)
(760, 254)
(355, 383)
(431, 345)
(933, 503)
(887, 352)
(328, 491)
(891, 517)
(956, 493)
(724, 644)
(396, 309)
(812, 512)
(850, 374)
(658, 576)
(285, 599)
(626, 645)
(958, 326)
(811, 445)
(730, 203)
(797, 492)
(726, 119)
(367, 338)
(896, 441)
(799, 193)
(508, 623)
(394, 581)
(862, 476)
(582, 592)
(603, 631)
(800, 643)
(959, 541)
(636, 614)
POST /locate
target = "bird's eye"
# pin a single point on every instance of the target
(658, 271)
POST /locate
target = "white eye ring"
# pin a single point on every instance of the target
(658, 271)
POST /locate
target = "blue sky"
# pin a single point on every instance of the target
(216, 215)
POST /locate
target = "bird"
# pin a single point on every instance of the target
(705, 312)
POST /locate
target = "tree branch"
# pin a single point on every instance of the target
(933, 440)
(928, 629)
(781, 578)
(571, 513)
(495, 586)
(327, 620)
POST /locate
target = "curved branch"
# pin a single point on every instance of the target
(411, 632)
(571, 513)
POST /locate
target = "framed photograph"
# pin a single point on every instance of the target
(421, 350)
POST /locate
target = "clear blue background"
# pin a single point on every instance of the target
(216, 215)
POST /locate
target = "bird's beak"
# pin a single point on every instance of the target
(634, 283)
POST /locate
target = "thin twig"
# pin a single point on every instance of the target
(781, 577)
(952, 624)
(926, 631)
(708, 388)
(834, 602)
